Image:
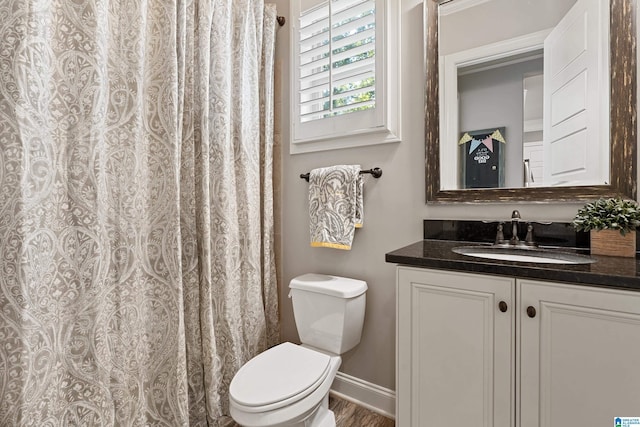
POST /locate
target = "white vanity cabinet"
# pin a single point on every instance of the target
(481, 350)
(455, 349)
(579, 356)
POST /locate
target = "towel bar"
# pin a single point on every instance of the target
(375, 172)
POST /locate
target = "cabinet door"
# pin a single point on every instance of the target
(579, 355)
(455, 349)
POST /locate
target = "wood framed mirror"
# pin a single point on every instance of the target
(622, 121)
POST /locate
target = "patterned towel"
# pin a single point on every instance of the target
(335, 205)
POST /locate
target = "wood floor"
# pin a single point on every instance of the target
(351, 415)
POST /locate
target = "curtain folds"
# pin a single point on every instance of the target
(137, 268)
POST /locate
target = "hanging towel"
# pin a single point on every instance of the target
(335, 205)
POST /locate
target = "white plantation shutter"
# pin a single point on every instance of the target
(339, 73)
(315, 60)
(337, 58)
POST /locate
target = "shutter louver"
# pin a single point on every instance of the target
(337, 58)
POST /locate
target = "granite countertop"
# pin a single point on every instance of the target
(610, 272)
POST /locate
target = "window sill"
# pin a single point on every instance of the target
(341, 142)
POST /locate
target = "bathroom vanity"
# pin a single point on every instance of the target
(485, 342)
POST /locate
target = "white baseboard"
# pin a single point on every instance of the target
(371, 396)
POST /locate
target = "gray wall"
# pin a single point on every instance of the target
(498, 20)
(492, 99)
(394, 208)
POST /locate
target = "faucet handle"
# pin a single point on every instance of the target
(500, 233)
(528, 240)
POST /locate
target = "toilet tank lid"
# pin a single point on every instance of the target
(341, 287)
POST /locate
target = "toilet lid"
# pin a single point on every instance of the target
(279, 374)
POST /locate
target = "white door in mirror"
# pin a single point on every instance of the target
(576, 116)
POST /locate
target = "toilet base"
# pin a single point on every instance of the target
(322, 417)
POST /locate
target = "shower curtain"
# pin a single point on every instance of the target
(137, 268)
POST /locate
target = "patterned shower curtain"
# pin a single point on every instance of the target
(136, 208)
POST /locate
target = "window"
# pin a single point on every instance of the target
(341, 71)
(337, 59)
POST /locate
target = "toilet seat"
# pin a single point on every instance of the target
(278, 377)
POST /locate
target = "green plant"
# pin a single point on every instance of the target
(608, 214)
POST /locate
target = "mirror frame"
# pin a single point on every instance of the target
(623, 129)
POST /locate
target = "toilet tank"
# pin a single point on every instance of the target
(329, 311)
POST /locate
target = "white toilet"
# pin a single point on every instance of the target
(288, 385)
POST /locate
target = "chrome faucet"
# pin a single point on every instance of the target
(515, 219)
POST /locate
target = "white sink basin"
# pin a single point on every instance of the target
(540, 256)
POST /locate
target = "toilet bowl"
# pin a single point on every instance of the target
(288, 385)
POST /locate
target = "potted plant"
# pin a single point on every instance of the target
(612, 225)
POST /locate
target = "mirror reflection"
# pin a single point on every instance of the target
(524, 93)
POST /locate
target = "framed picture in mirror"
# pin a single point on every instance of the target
(482, 158)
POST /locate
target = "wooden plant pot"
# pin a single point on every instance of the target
(612, 243)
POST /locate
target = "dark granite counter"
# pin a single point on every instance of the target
(610, 272)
